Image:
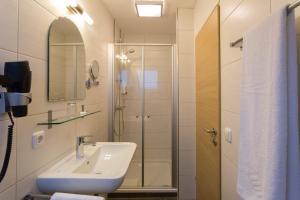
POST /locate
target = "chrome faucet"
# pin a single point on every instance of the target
(80, 142)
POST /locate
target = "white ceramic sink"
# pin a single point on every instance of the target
(102, 170)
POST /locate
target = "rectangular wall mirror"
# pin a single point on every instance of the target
(66, 62)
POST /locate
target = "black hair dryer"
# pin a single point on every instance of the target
(17, 81)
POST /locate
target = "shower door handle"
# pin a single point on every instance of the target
(213, 135)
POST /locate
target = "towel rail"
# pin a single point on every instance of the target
(239, 43)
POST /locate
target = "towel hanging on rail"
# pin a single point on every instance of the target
(269, 166)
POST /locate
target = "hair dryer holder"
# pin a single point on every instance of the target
(12, 99)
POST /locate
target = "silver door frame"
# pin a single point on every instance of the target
(174, 113)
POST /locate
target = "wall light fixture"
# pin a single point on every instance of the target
(76, 9)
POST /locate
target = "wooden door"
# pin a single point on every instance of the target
(207, 46)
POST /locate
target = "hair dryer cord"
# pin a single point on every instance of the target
(8, 147)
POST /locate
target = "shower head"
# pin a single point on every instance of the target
(129, 51)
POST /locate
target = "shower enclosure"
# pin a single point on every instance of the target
(144, 107)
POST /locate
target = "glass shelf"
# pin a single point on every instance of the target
(61, 120)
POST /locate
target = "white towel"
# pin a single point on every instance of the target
(65, 196)
(268, 167)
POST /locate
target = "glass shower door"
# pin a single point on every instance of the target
(158, 116)
(128, 106)
(143, 112)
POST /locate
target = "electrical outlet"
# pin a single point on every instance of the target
(228, 135)
(38, 138)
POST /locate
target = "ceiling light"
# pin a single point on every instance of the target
(149, 8)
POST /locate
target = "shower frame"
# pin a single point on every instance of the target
(174, 113)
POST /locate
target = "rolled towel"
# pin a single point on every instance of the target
(65, 196)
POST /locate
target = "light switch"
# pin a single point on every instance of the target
(228, 135)
(38, 138)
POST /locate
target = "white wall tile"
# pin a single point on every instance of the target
(187, 90)
(185, 42)
(227, 7)
(229, 180)
(187, 163)
(133, 38)
(186, 66)
(150, 38)
(9, 25)
(156, 39)
(230, 87)
(187, 138)
(52, 7)
(9, 194)
(92, 125)
(33, 33)
(28, 184)
(187, 188)
(187, 114)
(6, 56)
(185, 19)
(187, 105)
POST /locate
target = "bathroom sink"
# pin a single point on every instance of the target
(101, 170)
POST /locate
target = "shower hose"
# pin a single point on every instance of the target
(8, 147)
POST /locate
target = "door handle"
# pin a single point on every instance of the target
(213, 135)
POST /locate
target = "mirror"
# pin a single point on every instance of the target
(66, 63)
(94, 70)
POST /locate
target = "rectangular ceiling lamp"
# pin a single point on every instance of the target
(149, 8)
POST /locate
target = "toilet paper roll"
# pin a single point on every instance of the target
(65, 196)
